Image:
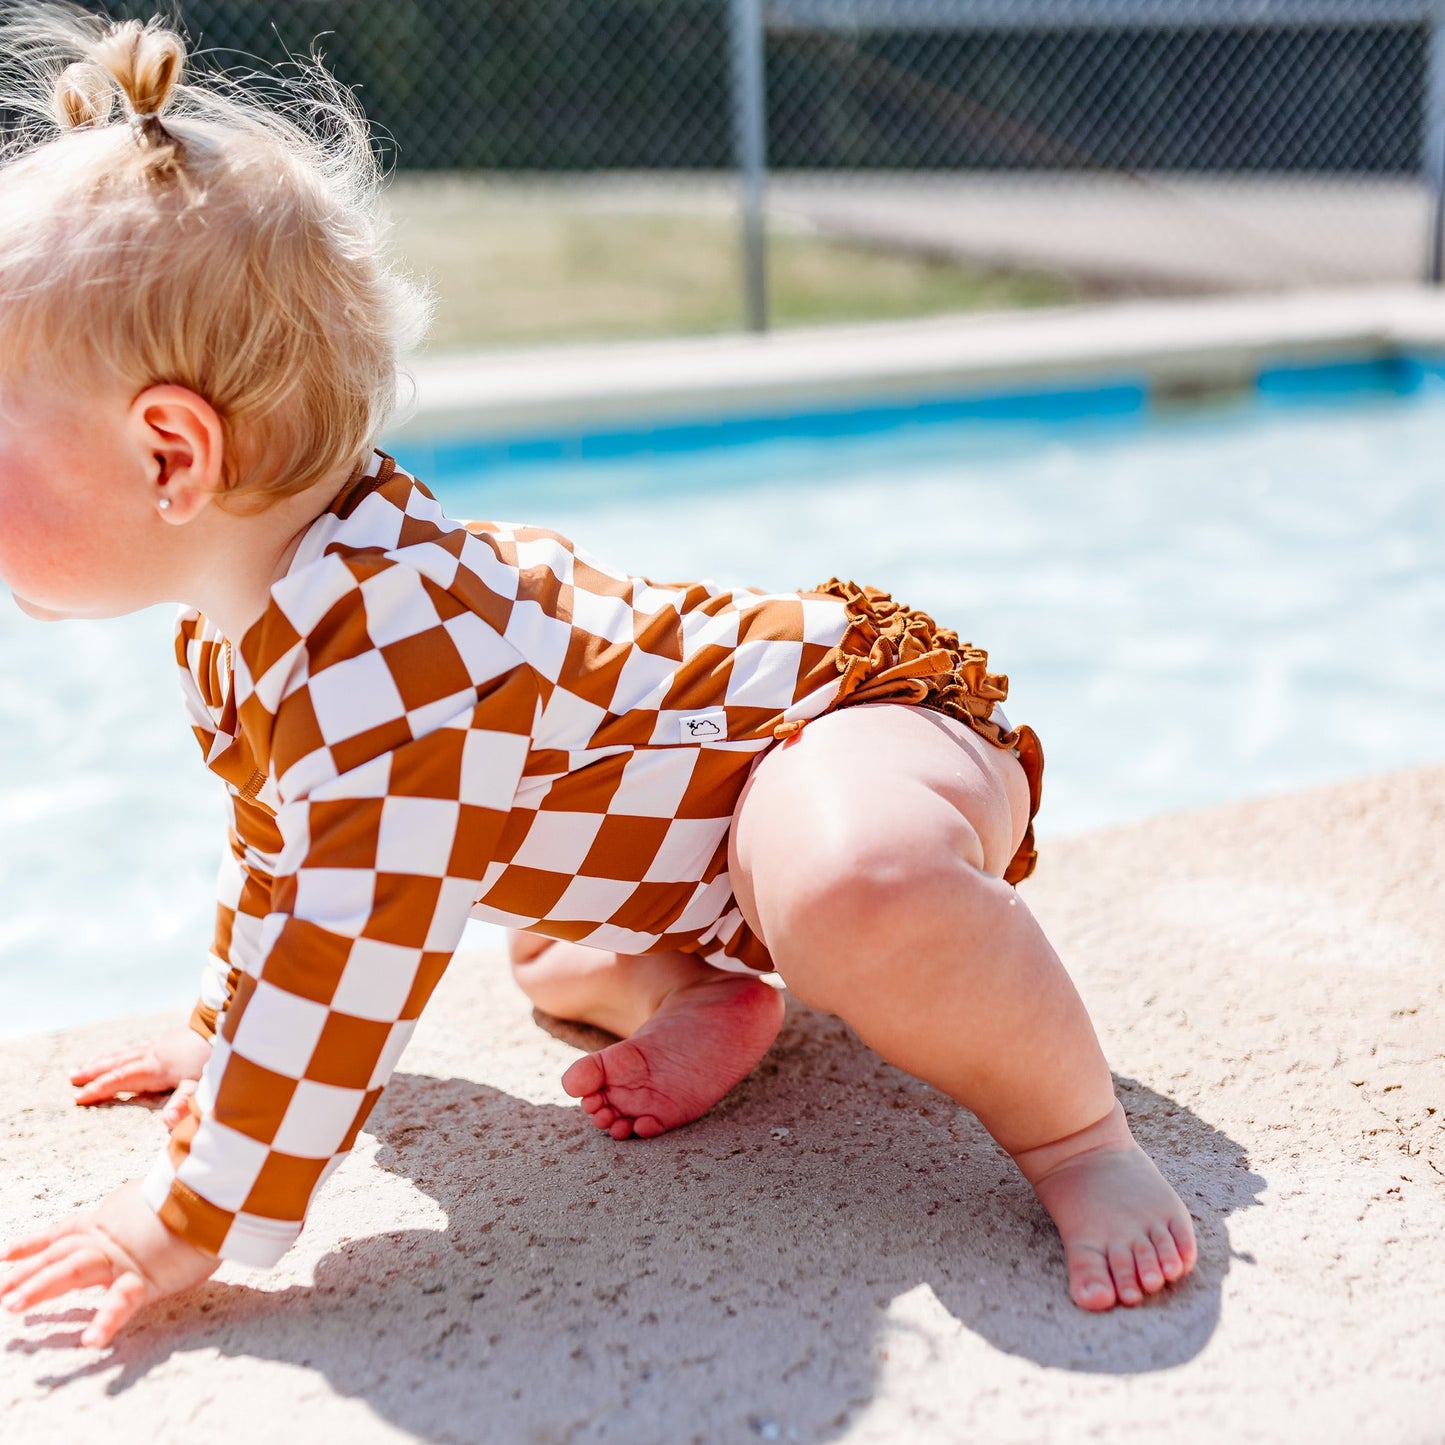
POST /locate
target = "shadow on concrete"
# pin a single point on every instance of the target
(756, 1275)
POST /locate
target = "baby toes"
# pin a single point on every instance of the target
(1168, 1252)
(584, 1076)
(1126, 1281)
(1182, 1232)
(1090, 1285)
(1146, 1266)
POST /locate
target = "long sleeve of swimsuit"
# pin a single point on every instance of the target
(243, 899)
(395, 727)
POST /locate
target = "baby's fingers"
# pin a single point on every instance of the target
(34, 1243)
(133, 1077)
(104, 1064)
(121, 1301)
(65, 1267)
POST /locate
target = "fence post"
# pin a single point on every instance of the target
(1433, 139)
(750, 143)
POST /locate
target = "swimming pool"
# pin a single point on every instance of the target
(1194, 607)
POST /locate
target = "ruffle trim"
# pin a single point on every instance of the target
(893, 653)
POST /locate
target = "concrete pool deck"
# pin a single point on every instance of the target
(1131, 234)
(1176, 347)
(836, 1253)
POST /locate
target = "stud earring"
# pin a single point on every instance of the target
(164, 504)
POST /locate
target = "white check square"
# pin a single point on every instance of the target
(305, 595)
(483, 652)
(654, 783)
(375, 523)
(541, 638)
(449, 917)
(480, 558)
(279, 1030)
(545, 552)
(687, 850)
(824, 619)
(764, 674)
(619, 940)
(317, 1120)
(608, 617)
(273, 684)
(643, 682)
(568, 721)
(586, 898)
(416, 835)
(354, 695)
(391, 1052)
(376, 981)
(492, 764)
(558, 842)
(706, 903)
(339, 900)
(222, 1165)
(397, 605)
(432, 561)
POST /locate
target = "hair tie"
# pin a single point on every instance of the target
(150, 130)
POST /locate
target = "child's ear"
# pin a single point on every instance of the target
(183, 444)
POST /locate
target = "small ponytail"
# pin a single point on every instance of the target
(146, 63)
(83, 96)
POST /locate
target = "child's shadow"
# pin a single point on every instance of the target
(759, 1273)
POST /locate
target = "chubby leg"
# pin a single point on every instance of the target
(687, 1032)
(866, 852)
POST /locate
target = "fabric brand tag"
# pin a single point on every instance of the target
(704, 727)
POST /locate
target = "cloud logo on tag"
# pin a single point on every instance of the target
(704, 727)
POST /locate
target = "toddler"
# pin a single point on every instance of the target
(666, 791)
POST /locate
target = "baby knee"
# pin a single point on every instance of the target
(844, 908)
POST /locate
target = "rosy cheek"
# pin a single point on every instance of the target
(40, 559)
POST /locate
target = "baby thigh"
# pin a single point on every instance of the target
(867, 854)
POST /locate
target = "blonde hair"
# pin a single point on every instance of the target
(221, 234)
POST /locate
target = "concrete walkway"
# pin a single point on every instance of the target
(1122, 235)
(837, 1253)
(1119, 235)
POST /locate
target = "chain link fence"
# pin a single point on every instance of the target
(1117, 146)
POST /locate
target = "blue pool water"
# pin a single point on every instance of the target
(1193, 608)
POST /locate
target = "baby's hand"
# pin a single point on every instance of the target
(151, 1068)
(121, 1245)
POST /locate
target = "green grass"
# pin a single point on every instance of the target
(512, 265)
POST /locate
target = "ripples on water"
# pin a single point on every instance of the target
(1213, 606)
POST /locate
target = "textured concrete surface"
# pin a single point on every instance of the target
(837, 1253)
(1139, 233)
(1134, 234)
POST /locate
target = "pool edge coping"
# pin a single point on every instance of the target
(1173, 347)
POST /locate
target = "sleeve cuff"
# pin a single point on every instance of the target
(248, 1239)
(203, 1020)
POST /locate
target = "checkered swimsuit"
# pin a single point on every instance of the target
(433, 721)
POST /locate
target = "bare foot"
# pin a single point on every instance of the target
(1126, 1233)
(706, 1036)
